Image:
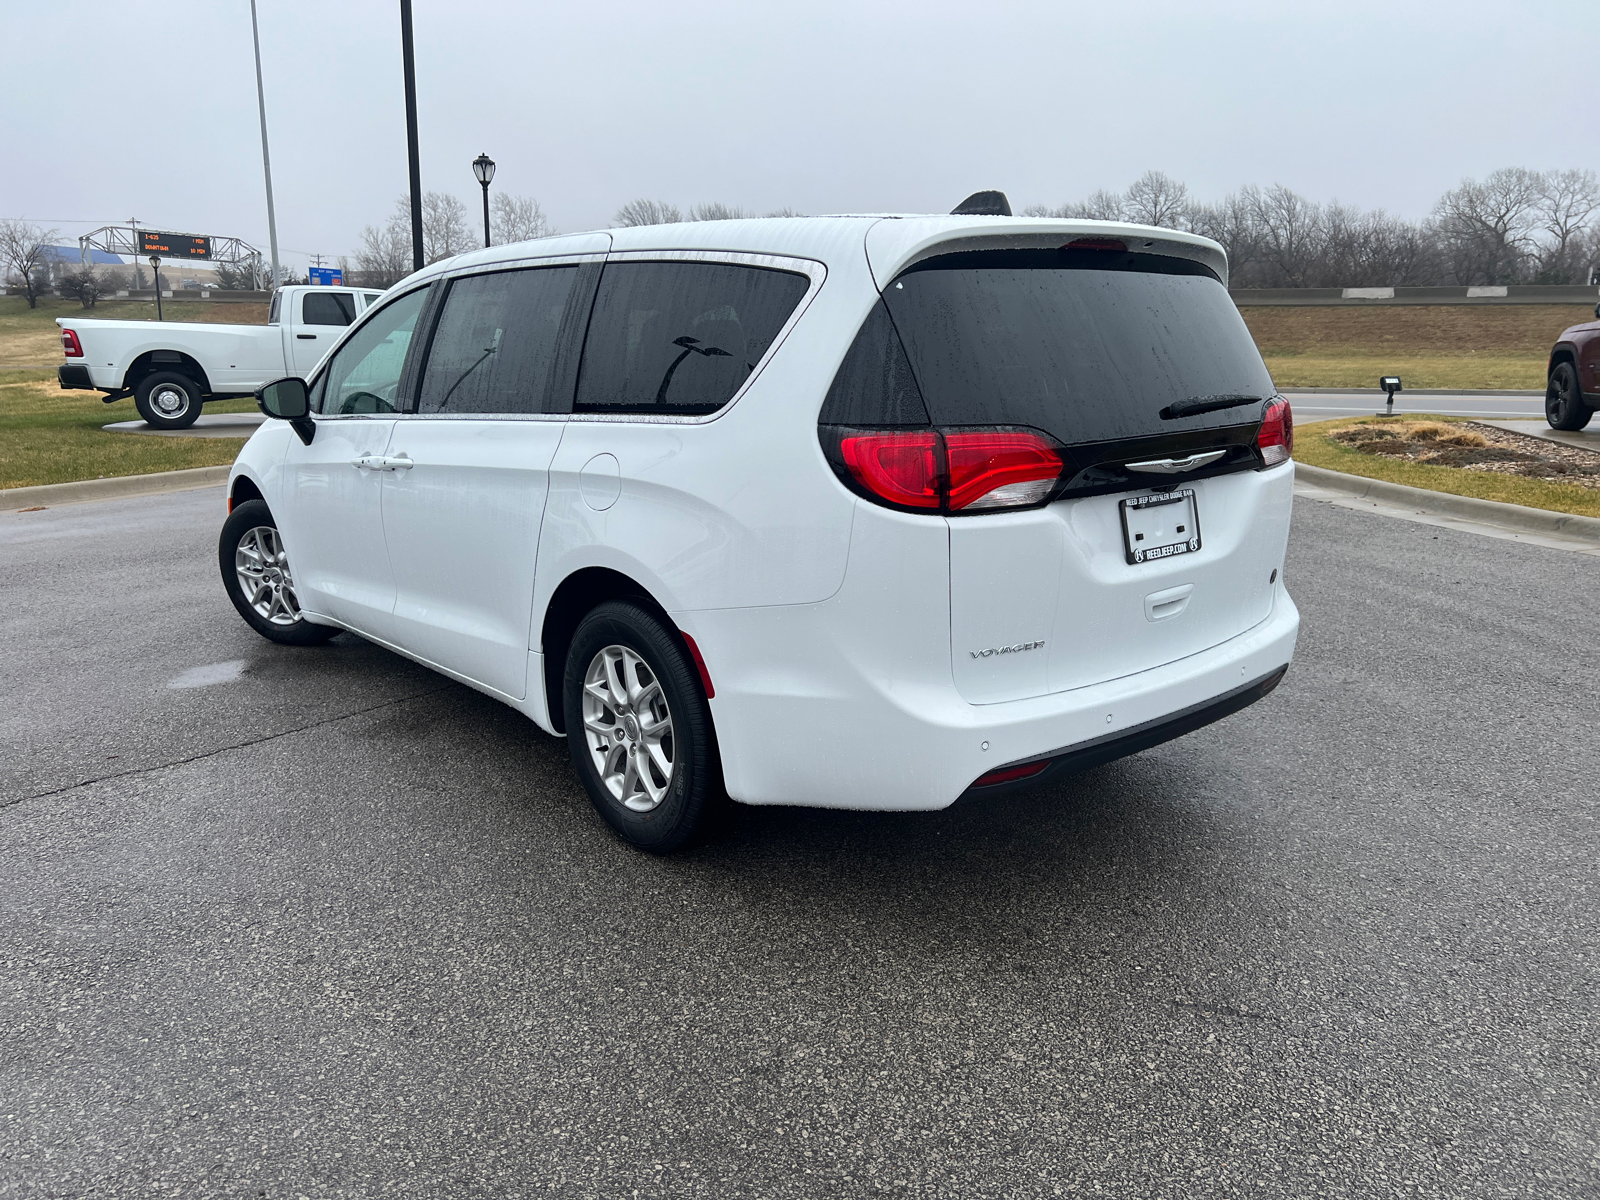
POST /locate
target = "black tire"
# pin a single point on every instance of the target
(1563, 400)
(167, 400)
(692, 794)
(282, 622)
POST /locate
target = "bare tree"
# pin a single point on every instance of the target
(785, 211)
(1291, 233)
(647, 212)
(717, 212)
(1232, 222)
(444, 226)
(24, 249)
(518, 219)
(1487, 228)
(1156, 199)
(1566, 202)
(384, 258)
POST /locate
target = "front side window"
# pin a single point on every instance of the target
(328, 308)
(680, 337)
(364, 376)
(494, 348)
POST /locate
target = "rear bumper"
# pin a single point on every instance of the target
(74, 377)
(801, 721)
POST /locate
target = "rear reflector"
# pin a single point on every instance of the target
(699, 665)
(1276, 439)
(70, 344)
(1010, 774)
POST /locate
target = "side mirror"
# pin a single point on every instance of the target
(287, 400)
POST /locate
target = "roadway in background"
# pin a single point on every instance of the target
(1323, 406)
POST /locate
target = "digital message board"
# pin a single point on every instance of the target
(174, 245)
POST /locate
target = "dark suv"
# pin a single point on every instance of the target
(1573, 391)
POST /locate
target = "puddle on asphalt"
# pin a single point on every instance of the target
(209, 675)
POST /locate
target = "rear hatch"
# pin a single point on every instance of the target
(1137, 371)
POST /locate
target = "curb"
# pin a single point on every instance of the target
(1469, 508)
(120, 488)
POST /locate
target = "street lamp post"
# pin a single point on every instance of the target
(155, 265)
(483, 168)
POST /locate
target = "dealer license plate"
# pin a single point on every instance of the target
(1160, 526)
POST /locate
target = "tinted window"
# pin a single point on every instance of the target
(328, 308)
(1088, 346)
(273, 307)
(874, 386)
(680, 337)
(494, 349)
(364, 376)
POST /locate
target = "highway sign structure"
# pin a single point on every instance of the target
(327, 276)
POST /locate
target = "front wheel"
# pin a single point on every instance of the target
(255, 572)
(1563, 400)
(167, 400)
(639, 728)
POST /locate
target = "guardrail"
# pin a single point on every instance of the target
(1530, 293)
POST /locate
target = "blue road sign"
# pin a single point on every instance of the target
(327, 276)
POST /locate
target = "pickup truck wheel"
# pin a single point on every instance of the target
(256, 574)
(167, 400)
(1563, 400)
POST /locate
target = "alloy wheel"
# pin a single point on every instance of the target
(169, 401)
(628, 727)
(264, 577)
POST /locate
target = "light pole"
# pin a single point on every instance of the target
(483, 168)
(155, 265)
(266, 160)
(408, 60)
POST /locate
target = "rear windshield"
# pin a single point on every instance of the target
(1089, 346)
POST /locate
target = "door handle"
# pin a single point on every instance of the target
(371, 462)
(399, 462)
(306, 337)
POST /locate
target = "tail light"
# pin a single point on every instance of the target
(70, 344)
(1097, 243)
(946, 471)
(1276, 439)
(1010, 774)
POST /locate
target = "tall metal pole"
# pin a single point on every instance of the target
(409, 55)
(266, 159)
(486, 241)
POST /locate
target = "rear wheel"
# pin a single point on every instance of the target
(639, 728)
(255, 572)
(1563, 400)
(167, 400)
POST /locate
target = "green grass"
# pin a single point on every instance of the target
(51, 436)
(1312, 445)
(1418, 370)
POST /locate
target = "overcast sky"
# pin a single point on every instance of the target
(111, 110)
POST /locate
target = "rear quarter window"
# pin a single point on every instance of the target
(680, 337)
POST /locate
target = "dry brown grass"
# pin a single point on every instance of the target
(30, 337)
(1430, 346)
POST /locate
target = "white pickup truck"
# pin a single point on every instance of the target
(170, 368)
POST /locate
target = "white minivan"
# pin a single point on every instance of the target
(854, 512)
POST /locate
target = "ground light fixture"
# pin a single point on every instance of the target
(483, 168)
(1390, 384)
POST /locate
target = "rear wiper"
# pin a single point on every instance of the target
(1196, 405)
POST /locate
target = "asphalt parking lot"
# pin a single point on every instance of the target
(317, 923)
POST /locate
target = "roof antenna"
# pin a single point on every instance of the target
(983, 204)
